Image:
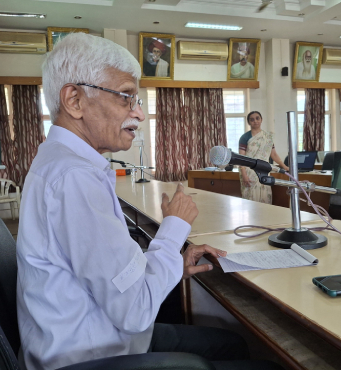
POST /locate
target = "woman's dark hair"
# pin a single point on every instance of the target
(253, 112)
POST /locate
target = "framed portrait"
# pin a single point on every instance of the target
(56, 33)
(156, 56)
(307, 62)
(243, 59)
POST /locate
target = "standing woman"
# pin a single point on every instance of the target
(257, 144)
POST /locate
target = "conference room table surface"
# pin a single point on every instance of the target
(291, 288)
(217, 212)
(309, 335)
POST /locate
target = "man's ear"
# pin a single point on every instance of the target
(71, 100)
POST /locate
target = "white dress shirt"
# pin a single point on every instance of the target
(85, 289)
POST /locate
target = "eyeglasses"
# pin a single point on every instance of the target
(134, 99)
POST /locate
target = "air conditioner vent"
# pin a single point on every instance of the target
(22, 42)
(331, 56)
(202, 50)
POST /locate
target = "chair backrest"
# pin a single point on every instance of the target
(335, 200)
(328, 162)
(4, 187)
(8, 360)
(8, 287)
(286, 161)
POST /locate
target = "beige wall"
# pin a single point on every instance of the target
(273, 99)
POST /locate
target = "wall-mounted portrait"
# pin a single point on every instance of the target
(56, 33)
(156, 55)
(307, 63)
(243, 59)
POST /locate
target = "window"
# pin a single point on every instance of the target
(8, 95)
(235, 115)
(300, 119)
(151, 94)
(46, 113)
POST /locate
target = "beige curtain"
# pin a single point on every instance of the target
(313, 129)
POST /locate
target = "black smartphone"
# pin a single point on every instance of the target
(329, 284)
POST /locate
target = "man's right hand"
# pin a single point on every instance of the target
(181, 206)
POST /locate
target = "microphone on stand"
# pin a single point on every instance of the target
(123, 164)
(222, 156)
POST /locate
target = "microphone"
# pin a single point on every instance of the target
(115, 161)
(222, 156)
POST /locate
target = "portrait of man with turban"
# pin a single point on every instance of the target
(243, 68)
(153, 63)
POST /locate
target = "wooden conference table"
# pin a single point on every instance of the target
(282, 307)
(227, 182)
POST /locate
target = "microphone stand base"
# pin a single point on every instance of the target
(304, 238)
(142, 180)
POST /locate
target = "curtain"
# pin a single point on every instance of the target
(313, 128)
(6, 143)
(28, 128)
(170, 136)
(205, 124)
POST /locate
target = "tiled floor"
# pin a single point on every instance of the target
(12, 226)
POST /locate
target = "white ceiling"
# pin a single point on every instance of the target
(297, 20)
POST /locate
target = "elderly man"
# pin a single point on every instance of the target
(243, 69)
(154, 65)
(305, 70)
(85, 289)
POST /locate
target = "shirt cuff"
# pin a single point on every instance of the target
(175, 229)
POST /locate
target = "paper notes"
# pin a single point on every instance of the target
(272, 259)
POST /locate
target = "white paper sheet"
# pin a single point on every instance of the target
(261, 260)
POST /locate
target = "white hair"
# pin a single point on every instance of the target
(82, 58)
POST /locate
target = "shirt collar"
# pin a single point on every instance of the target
(77, 145)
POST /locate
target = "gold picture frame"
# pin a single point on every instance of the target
(156, 56)
(243, 59)
(307, 62)
(56, 33)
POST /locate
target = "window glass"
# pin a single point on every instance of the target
(46, 111)
(47, 126)
(234, 101)
(327, 133)
(300, 121)
(300, 100)
(152, 125)
(151, 93)
(235, 127)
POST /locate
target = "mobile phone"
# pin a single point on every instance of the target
(329, 284)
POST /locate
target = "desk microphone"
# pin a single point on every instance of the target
(115, 161)
(222, 156)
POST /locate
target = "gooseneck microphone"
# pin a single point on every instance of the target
(124, 164)
(222, 156)
(114, 160)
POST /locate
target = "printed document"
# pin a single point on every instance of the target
(273, 259)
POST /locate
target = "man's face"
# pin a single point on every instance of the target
(156, 54)
(307, 57)
(243, 55)
(108, 121)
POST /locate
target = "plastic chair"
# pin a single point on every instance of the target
(4, 195)
(10, 340)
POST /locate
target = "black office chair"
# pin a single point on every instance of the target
(335, 199)
(10, 340)
(328, 162)
(286, 161)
